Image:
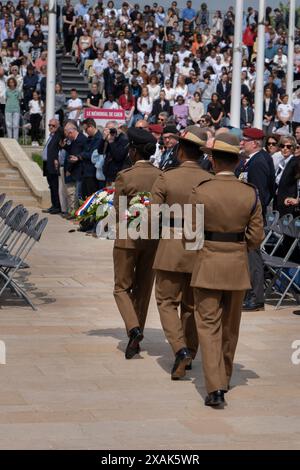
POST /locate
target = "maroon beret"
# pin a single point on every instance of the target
(156, 128)
(253, 133)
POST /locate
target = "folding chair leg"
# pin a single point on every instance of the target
(18, 289)
(287, 289)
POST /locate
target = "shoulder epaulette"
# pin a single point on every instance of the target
(170, 168)
(204, 181)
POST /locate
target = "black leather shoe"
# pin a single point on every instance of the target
(133, 346)
(252, 306)
(215, 398)
(48, 211)
(183, 359)
(55, 211)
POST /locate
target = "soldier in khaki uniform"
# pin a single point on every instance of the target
(233, 225)
(133, 259)
(174, 264)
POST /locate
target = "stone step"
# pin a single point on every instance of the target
(72, 80)
(27, 201)
(80, 84)
(4, 164)
(19, 191)
(17, 182)
(74, 74)
(8, 171)
(68, 65)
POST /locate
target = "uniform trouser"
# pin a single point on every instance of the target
(218, 316)
(173, 290)
(62, 190)
(256, 267)
(134, 279)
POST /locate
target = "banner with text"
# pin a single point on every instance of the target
(101, 115)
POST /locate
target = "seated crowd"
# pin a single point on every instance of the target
(145, 60)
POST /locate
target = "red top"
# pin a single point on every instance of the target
(249, 37)
(126, 104)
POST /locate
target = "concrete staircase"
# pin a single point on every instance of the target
(12, 183)
(71, 78)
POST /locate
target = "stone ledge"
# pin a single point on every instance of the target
(28, 169)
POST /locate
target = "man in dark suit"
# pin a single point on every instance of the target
(257, 169)
(73, 163)
(169, 156)
(51, 165)
(109, 77)
(287, 176)
(114, 147)
(161, 105)
(247, 114)
(269, 110)
(89, 181)
(224, 92)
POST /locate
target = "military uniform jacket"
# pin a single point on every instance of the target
(174, 186)
(229, 206)
(138, 178)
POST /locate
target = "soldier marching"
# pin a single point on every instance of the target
(199, 294)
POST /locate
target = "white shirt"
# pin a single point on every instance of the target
(282, 165)
(99, 65)
(277, 158)
(170, 95)
(74, 104)
(35, 107)
(284, 110)
(182, 55)
(111, 55)
(154, 91)
(144, 105)
(2, 91)
(111, 105)
(296, 108)
(179, 91)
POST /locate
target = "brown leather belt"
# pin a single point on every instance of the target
(224, 237)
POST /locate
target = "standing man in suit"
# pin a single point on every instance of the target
(89, 182)
(224, 92)
(287, 176)
(75, 146)
(257, 169)
(233, 224)
(51, 164)
(133, 259)
(169, 155)
(161, 105)
(174, 264)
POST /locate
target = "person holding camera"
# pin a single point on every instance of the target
(114, 148)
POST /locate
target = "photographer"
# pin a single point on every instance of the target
(114, 148)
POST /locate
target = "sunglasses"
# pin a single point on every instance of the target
(288, 146)
(274, 144)
(51, 125)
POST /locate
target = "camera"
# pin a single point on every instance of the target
(113, 131)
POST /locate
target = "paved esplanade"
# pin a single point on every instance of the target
(66, 384)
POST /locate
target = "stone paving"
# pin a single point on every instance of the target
(66, 384)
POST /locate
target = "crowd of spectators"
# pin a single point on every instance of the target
(145, 60)
(180, 61)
